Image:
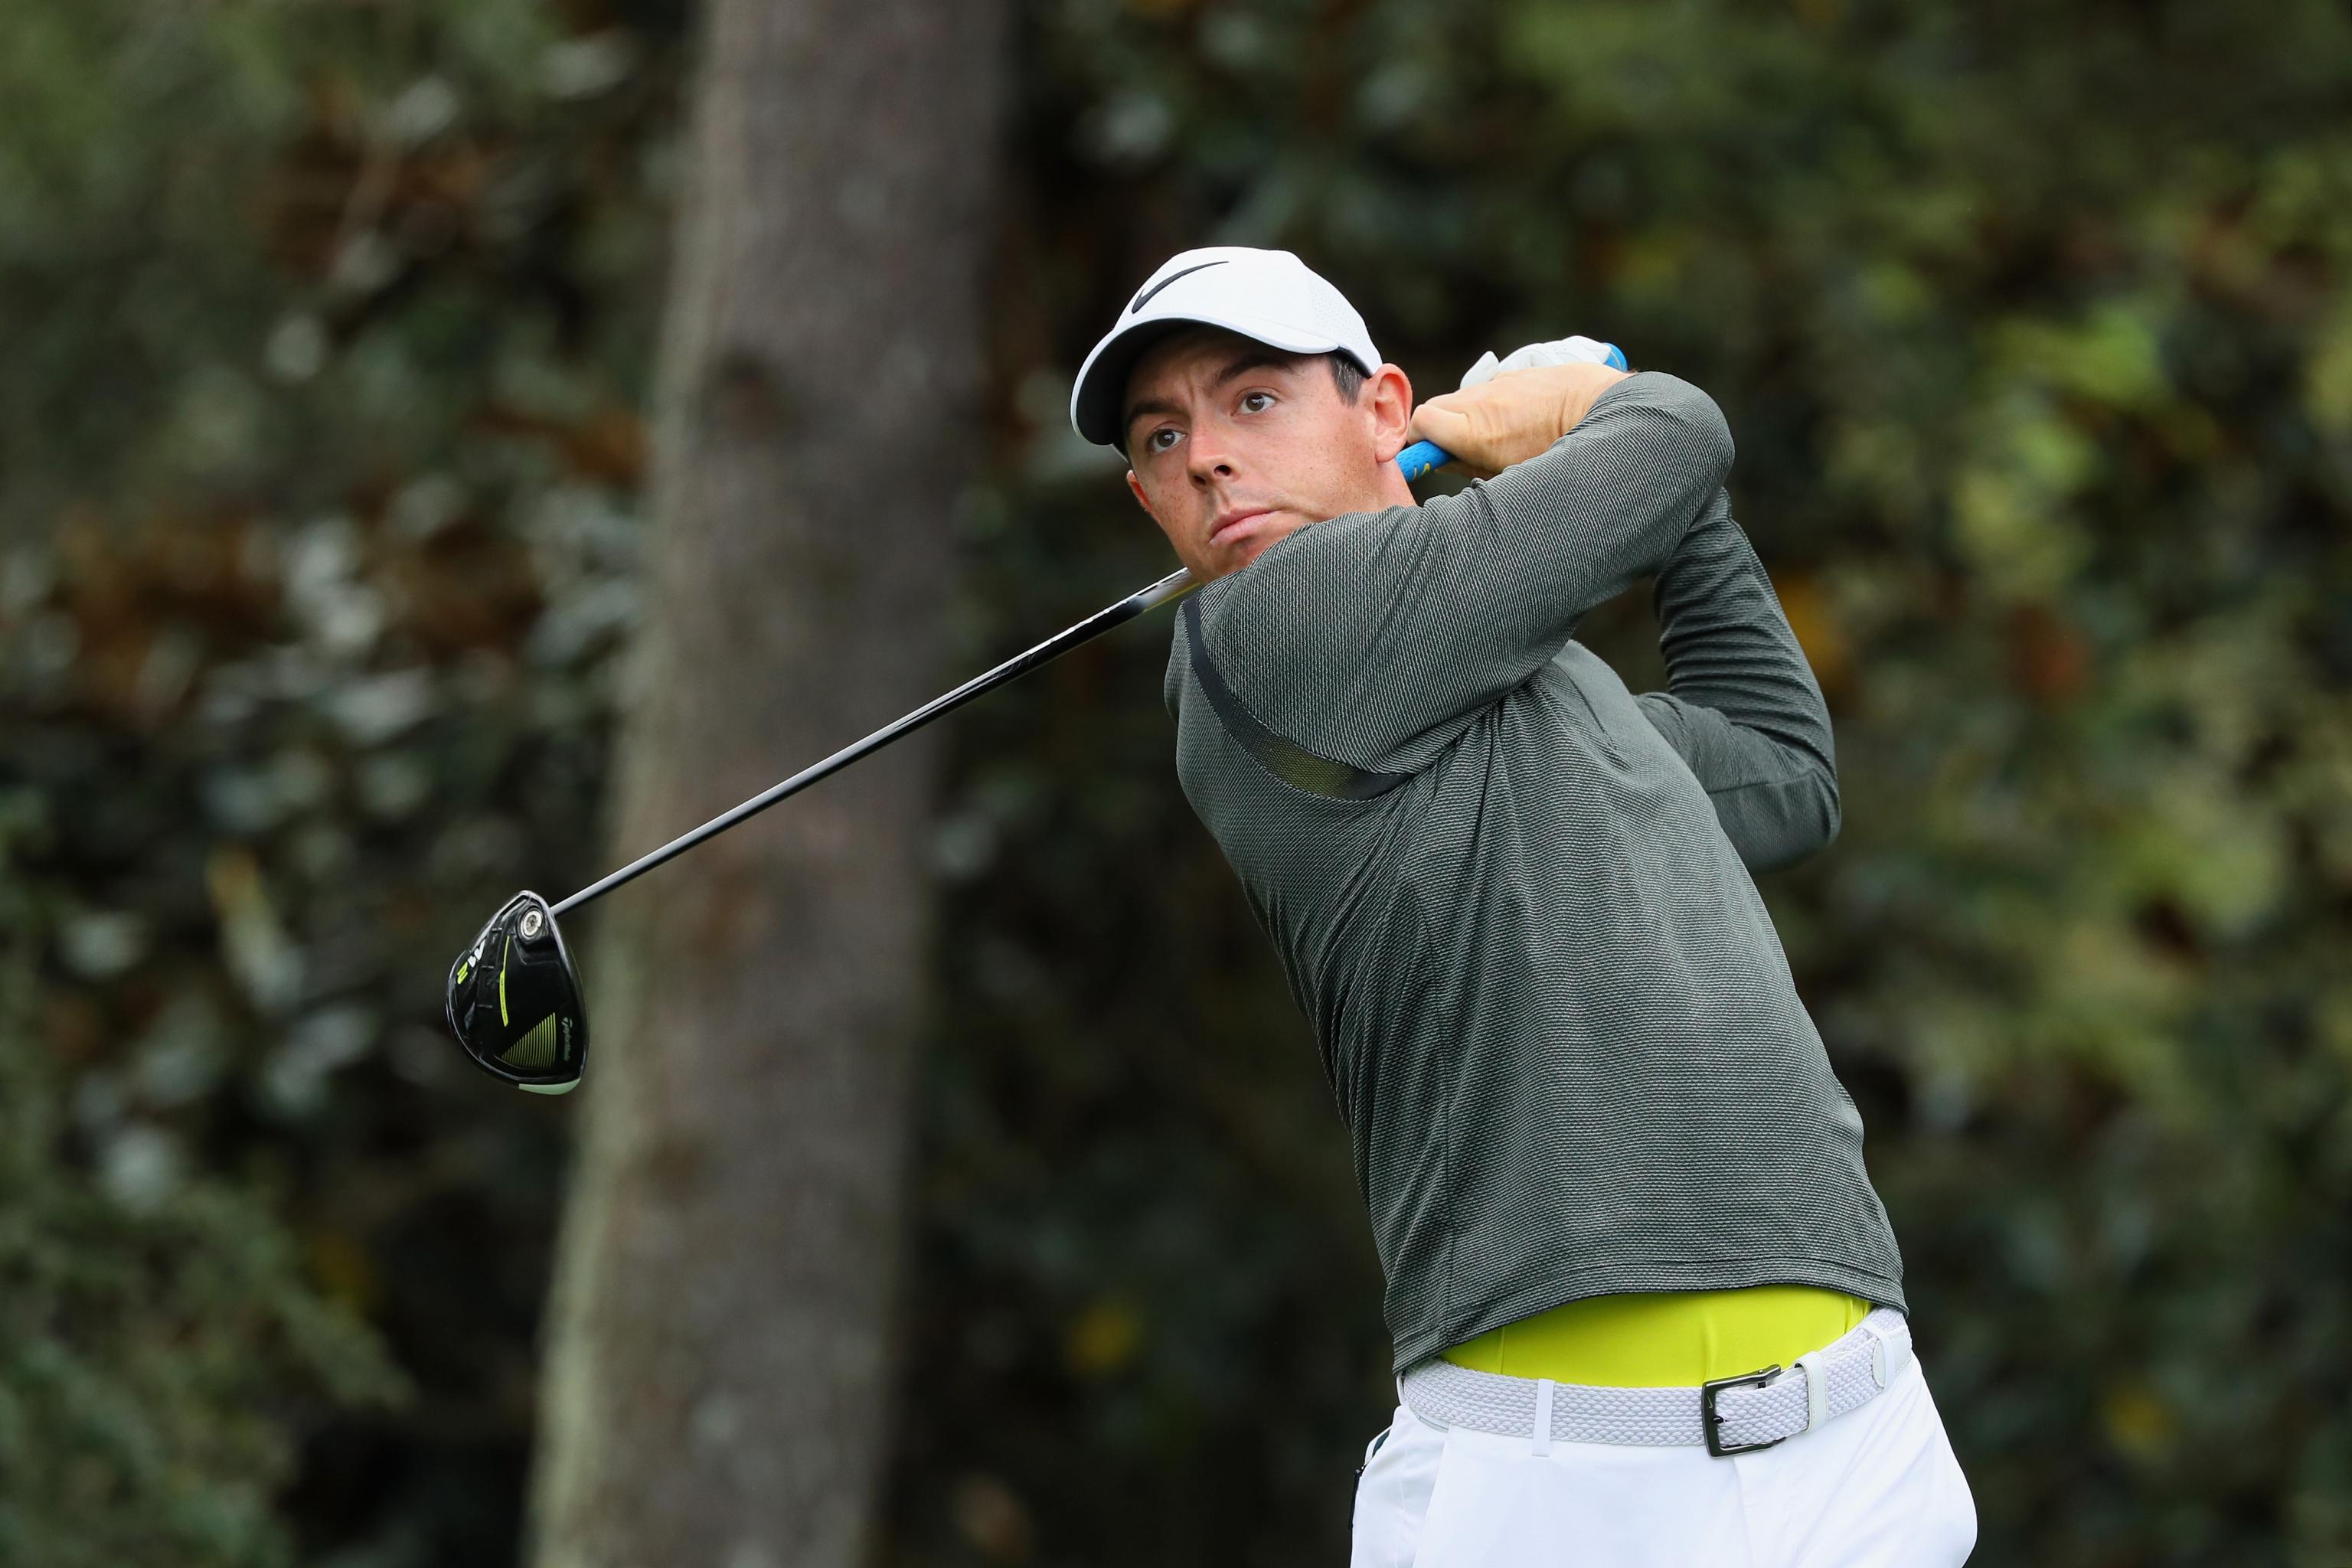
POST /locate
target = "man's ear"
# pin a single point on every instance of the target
(1136, 485)
(1390, 403)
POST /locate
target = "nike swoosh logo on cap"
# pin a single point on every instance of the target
(1145, 297)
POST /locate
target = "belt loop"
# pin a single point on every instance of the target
(1817, 1388)
(1543, 1418)
(1878, 1338)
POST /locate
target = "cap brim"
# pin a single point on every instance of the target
(1096, 402)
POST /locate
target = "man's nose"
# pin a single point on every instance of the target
(1209, 460)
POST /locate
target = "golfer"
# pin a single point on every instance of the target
(1646, 1307)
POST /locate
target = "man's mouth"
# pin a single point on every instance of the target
(1231, 518)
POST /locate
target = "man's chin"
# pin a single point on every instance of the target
(1243, 543)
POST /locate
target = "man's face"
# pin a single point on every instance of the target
(1233, 445)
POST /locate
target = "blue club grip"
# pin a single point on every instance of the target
(1424, 456)
(1421, 456)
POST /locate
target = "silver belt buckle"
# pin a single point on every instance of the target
(1710, 1420)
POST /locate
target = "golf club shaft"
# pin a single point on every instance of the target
(1414, 461)
(1168, 588)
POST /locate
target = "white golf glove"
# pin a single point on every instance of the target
(1559, 351)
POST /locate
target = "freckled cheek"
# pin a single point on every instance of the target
(1183, 508)
(1302, 459)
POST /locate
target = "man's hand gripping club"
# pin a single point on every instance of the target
(1508, 412)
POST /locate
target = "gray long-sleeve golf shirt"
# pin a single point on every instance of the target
(1514, 899)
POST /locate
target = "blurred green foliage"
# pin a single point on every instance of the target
(319, 466)
(156, 1333)
(320, 462)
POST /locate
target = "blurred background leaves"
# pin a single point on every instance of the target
(328, 334)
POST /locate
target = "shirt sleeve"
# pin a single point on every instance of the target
(1742, 706)
(1368, 639)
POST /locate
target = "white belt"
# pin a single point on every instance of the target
(1729, 1415)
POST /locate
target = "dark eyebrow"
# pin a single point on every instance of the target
(1240, 364)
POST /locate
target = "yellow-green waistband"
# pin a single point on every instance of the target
(1666, 1338)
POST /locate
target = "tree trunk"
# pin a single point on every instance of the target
(718, 1342)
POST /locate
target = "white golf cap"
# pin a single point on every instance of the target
(1268, 295)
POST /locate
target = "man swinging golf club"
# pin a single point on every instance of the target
(1646, 1307)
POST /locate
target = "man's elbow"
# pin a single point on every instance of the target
(1708, 434)
(1827, 813)
(1801, 820)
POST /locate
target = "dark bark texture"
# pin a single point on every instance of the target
(717, 1377)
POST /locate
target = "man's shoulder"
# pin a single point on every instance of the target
(1223, 742)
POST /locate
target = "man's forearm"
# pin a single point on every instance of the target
(1614, 496)
(1743, 708)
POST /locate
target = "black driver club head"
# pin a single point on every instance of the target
(514, 1000)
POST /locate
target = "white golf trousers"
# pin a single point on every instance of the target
(1876, 1488)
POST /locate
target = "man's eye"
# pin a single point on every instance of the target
(1156, 442)
(1257, 402)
